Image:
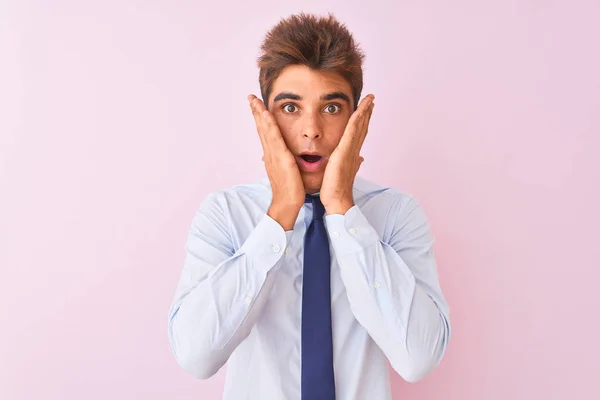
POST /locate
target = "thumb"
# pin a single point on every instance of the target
(360, 161)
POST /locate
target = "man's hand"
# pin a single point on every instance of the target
(344, 162)
(282, 170)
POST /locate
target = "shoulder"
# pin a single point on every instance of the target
(370, 192)
(227, 198)
(258, 188)
(394, 213)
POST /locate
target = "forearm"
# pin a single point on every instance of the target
(403, 320)
(393, 290)
(398, 314)
(212, 314)
(207, 328)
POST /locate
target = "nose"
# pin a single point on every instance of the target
(312, 128)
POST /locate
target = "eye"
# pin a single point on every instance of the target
(289, 108)
(332, 108)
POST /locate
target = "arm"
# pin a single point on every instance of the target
(221, 292)
(393, 287)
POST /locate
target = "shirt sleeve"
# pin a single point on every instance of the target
(393, 287)
(221, 291)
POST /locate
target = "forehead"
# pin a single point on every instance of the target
(308, 83)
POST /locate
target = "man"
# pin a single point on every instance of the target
(308, 281)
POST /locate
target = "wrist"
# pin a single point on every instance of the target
(284, 214)
(339, 206)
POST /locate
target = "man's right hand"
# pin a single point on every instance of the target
(282, 169)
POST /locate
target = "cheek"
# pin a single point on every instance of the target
(287, 127)
(335, 132)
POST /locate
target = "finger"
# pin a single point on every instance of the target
(357, 164)
(364, 111)
(265, 121)
(272, 132)
(369, 104)
(366, 124)
(258, 110)
(268, 122)
(354, 123)
(366, 101)
(363, 106)
(257, 106)
(353, 136)
(269, 133)
(365, 119)
(267, 127)
(252, 102)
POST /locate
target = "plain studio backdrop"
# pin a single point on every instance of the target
(118, 117)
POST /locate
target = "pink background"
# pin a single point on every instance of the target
(118, 117)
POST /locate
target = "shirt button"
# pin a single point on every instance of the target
(353, 230)
(287, 250)
(377, 285)
(248, 300)
(335, 234)
(276, 248)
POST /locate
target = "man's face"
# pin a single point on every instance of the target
(312, 109)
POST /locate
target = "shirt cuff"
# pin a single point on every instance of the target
(266, 244)
(351, 232)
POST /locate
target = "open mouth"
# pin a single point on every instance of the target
(311, 158)
(310, 162)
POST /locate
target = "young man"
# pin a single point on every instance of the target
(308, 281)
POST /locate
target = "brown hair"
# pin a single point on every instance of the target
(321, 43)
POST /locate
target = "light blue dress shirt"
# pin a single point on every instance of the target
(238, 300)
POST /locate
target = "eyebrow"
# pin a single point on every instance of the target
(336, 95)
(325, 97)
(286, 96)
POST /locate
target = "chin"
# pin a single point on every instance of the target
(312, 184)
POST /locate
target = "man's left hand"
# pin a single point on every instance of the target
(344, 162)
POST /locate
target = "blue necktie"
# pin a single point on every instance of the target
(317, 347)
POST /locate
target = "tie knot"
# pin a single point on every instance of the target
(318, 208)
